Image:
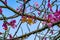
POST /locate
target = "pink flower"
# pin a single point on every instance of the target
(52, 18)
(49, 25)
(57, 13)
(5, 1)
(36, 4)
(21, 5)
(12, 23)
(39, 13)
(43, 22)
(0, 10)
(5, 26)
(17, 9)
(59, 18)
(10, 36)
(50, 6)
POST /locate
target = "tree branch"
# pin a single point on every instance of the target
(3, 6)
(18, 13)
(33, 32)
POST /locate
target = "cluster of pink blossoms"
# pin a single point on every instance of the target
(12, 24)
(52, 18)
(5, 24)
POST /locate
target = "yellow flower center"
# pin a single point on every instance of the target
(30, 21)
(48, 20)
(24, 19)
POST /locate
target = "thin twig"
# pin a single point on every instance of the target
(17, 29)
(3, 6)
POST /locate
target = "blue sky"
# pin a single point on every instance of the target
(7, 13)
